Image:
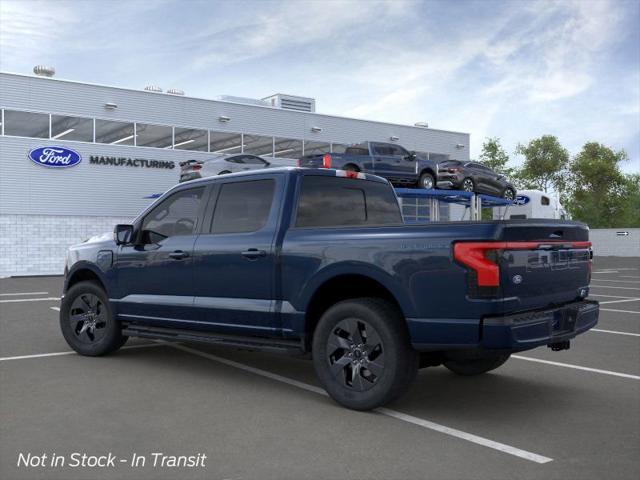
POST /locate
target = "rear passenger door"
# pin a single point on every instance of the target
(234, 257)
(383, 160)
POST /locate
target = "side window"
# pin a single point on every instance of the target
(398, 151)
(253, 160)
(177, 215)
(337, 202)
(544, 200)
(381, 149)
(235, 160)
(243, 206)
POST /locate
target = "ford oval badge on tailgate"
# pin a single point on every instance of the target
(55, 157)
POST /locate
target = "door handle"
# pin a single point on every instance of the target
(178, 255)
(254, 254)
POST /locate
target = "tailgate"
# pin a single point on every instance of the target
(534, 265)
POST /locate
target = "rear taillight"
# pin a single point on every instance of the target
(196, 167)
(298, 162)
(482, 257)
(453, 170)
(474, 255)
(326, 161)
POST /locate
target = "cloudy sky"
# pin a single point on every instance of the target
(513, 69)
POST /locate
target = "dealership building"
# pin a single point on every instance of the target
(126, 146)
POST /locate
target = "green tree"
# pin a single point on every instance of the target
(630, 216)
(545, 164)
(495, 157)
(599, 194)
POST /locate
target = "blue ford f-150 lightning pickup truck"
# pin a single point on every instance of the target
(319, 261)
(387, 160)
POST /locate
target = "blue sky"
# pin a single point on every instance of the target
(513, 69)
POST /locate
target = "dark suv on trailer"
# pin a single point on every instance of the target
(474, 177)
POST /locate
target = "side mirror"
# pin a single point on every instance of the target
(411, 156)
(123, 234)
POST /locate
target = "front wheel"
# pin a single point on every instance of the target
(362, 353)
(87, 323)
(476, 366)
(426, 181)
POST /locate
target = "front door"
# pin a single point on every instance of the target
(155, 276)
(235, 257)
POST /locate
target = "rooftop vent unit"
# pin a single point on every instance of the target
(175, 91)
(291, 102)
(153, 88)
(44, 71)
(245, 100)
(421, 124)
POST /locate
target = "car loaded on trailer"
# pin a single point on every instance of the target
(474, 177)
(387, 160)
(319, 261)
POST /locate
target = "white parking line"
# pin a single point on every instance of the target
(23, 293)
(620, 301)
(629, 276)
(71, 352)
(533, 457)
(619, 311)
(607, 296)
(57, 309)
(615, 332)
(13, 300)
(606, 271)
(578, 367)
(615, 286)
(617, 281)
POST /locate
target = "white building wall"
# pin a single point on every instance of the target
(36, 244)
(607, 243)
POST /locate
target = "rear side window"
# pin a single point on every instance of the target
(544, 200)
(357, 151)
(243, 206)
(176, 215)
(339, 202)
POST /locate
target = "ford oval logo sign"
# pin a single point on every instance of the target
(521, 200)
(55, 157)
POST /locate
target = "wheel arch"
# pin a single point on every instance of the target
(344, 286)
(84, 272)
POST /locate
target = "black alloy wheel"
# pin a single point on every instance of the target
(355, 354)
(87, 317)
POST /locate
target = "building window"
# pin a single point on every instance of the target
(191, 139)
(115, 133)
(258, 145)
(26, 124)
(71, 128)
(157, 136)
(287, 148)
(316, 148)
(225, 143)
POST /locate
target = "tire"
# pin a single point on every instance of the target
(509, 194)
(427, 181)
(362, 354)
(95, 334)
(468, 185)
(476, 366)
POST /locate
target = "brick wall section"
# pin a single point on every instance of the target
(36, 244)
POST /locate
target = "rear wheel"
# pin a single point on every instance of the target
(362, 354)
(509, 194)
(468, 185)
(427, 181)
(87, 323)
(476, 366)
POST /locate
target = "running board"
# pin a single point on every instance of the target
(278, 345)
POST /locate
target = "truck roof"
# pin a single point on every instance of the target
(329, 172)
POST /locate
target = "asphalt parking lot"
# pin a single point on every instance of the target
(571, 414)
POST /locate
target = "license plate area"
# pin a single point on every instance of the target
(564, 320)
